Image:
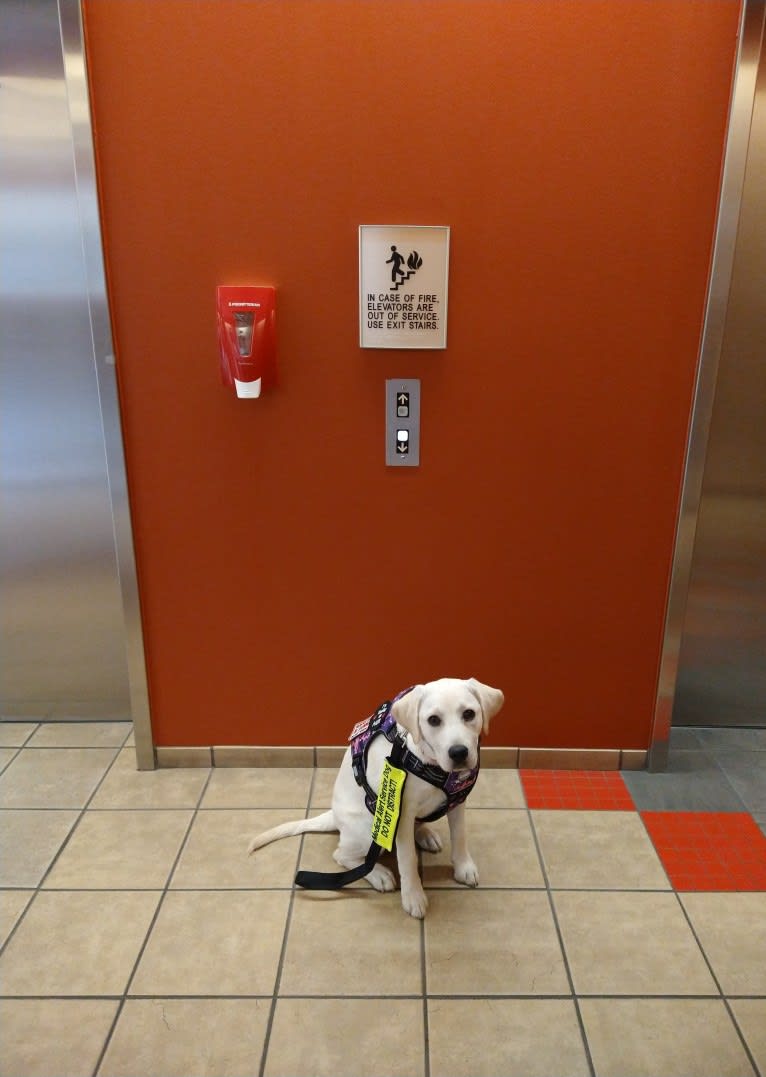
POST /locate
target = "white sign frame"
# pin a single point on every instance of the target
(420, 269)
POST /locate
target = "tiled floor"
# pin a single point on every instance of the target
(619, 929)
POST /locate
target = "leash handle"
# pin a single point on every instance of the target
(335, 880)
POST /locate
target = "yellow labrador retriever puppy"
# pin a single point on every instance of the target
(435, 728)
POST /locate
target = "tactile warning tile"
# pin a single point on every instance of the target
(709, 850)
(583, 790)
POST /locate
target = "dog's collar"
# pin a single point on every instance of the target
(455, 784)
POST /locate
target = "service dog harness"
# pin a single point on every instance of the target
(385, 805)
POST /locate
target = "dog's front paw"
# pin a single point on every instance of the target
(415, 902)
(381, 878)
(467, 873)
(428, 839)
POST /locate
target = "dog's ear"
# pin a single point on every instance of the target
(405, 711)
(491, 700)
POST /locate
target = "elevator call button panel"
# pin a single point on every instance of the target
(403, 422)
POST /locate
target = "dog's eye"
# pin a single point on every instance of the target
(469, 715)
(434, 720)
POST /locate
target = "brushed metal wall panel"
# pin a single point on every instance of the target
(711, 348)
(722, 662)
(63, 636)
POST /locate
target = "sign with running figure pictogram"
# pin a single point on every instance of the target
(403, 272)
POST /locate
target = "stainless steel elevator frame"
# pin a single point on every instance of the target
(730, 201)
(70, 19)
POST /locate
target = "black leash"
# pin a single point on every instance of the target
(384, 824)
(335, 880)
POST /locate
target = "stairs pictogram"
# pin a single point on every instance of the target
(414, 263)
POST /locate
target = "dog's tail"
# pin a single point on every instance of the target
(319, 824)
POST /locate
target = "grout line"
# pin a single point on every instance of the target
(70, 747)
(60, 998)
(182, 807)
(717, 983)
(222, 807)
(436, 996)
(457, 888)
(753, 1063)
(150, 929)
(586, 995)
(20, 719)
(739, 1032)
(580, 1021)
(451, 888)
(283, 951)
(14, 749)
(424, 980)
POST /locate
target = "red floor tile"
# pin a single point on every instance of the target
(583, 790)
(709, 850)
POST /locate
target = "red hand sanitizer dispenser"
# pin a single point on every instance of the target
(247, 338)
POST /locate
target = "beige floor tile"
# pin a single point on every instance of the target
(12, 905)
(497, 788)
(126, 787)
(512, 1037)
(53, 777)
(501, 844)
(188, 1038)
(607, 850)
(214, 943)
(77, 943)
(346, 1038)
(485, 942)
(751, 1018)
(6, 756)
(29, 840)
(80, 735)
(14, 734)
(258, 787)
(120, 850)
(667, 1037)
(630, 944)
(732, 931)
(353, 942)
(324, 782)
(215, 856)
(74, 1031)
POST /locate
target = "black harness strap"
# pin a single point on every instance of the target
(382, 724)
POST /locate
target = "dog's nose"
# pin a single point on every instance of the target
(458, 753)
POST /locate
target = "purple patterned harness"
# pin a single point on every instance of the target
(455, 784)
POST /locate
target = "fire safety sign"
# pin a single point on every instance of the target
(403, 271)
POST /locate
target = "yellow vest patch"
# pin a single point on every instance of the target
(387, 806)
